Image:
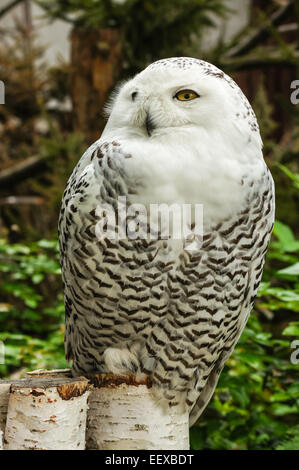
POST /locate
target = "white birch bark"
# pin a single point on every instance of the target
(47, 413)
(127, 417)
(6, 384)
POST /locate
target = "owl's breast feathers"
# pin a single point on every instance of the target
(176, 314)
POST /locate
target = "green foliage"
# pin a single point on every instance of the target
(151, 29)
(292, 440)
(280, 289)
(31, 310)
(293, 176)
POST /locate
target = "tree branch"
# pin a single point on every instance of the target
(257, 36)
(254, 61)
(21, 171)
(287, 28)
(19, 200)
(8, 7)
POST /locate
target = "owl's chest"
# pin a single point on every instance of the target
(187, 176)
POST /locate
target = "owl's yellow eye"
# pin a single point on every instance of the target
(186, 95)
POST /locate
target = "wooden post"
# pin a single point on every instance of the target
(47, 412)
(123, 414)
(95, 68)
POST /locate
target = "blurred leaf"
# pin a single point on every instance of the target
(292, 329)
(287, 241)
(290, 270)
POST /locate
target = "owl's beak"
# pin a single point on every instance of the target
(149, 124)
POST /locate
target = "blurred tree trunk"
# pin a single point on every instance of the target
(95, 68)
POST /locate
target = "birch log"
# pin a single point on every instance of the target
(4, 397)
(6, 384)
(123, 414)
(47, 413)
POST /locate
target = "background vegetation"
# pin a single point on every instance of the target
(256, 403)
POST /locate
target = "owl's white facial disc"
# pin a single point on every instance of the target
(148, 105)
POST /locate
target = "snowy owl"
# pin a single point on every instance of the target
(181, 132)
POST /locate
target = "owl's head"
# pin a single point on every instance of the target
(180, 93)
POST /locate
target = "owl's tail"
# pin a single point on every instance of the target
(205, 395)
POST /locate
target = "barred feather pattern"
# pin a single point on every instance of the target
(140, 305)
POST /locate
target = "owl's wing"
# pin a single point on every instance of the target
(264, 215)
(207, 393)
(95, 183)
(212, 296)
(69, 226)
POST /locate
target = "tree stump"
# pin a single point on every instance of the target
(123, 414)
(47, 412)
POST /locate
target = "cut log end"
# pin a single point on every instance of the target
(112, 380)
(47, 412)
